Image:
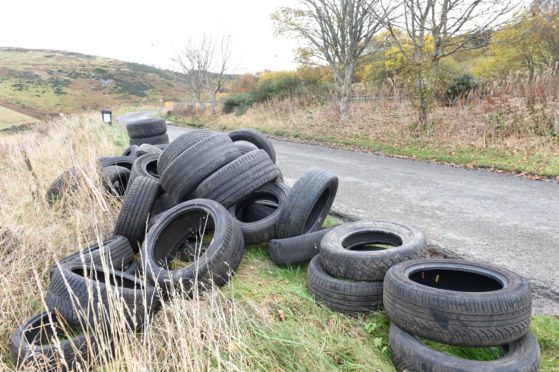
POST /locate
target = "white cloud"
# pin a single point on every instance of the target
(147, 31)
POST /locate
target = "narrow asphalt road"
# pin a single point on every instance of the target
(496, 218)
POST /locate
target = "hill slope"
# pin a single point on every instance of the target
(46, 82)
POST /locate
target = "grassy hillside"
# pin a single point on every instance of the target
(9, 118)
(45, 82)
(265, 319)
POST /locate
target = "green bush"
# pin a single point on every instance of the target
(460, 86)
(277, 87)
(238, 103)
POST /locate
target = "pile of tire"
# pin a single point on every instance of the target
(463, 303)
(225, 186)
(152, 131)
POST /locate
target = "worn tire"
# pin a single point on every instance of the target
(82, 297)
(238, 179)
(121, 161)
(146, 128)
(145, 166)
(260, 226)
(155, 140)
(340, 260)
(256, 138)
(137, 204)
(197, 163)
(115, 251)
(342, 295)
(115, 179)
(410, 354)
(30, 346)
(66, 182)
(163, 203)
(180, 145)
(308, 204)
(146, 148)
(297, 249)
(458, 302)
(172, 231)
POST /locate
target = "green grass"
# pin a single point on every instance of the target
(9, 118)
(313, 337)
(545, 164)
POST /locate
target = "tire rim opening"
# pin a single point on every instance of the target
(467, 352)
(456, 280)
(184, 240)
(256, 208)
(43, 332)
(371, 241)
(110, 279)
(317, 210)
(151, 168)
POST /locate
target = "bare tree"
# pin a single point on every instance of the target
(205, 62)
(428, 30)
(338, 32)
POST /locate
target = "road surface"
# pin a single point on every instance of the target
(501, 219)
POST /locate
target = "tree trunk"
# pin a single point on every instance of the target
(423, 100)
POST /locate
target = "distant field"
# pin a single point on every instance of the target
(10, 118)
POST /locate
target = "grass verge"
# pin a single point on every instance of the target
(265, 319)
(9, 118)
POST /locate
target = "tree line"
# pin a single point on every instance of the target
(433, 49)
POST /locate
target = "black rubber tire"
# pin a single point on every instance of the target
(130, 151)
(115, 179)
(172, 230)
(341, 261)
(410, 354)
(308, 204)
(297, 249)
(145, 166)
(136, 207)
(82, 296)
(197, 163)
(163, 203)
(116, 252)
(121, 161)
(146, 128)
(258, 230)
(256, 138)
(180, 145)
(475, 304)
(238, 179)
(342, 295)
(155, 140)
(259, 210)
(31, 347)
(146, 148)
(66, 182)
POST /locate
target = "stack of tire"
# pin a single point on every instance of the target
(461, 303)
(203, 183)
(152, 131)
(348, 274)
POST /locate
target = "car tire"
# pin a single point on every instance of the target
(342, 295)
(341, 258)
(410, 354)
(458, 302)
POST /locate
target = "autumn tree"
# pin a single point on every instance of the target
(205, 63)
(426, 31)
(336, 32)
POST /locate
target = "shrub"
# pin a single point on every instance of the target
(238, 103)
(460, 86)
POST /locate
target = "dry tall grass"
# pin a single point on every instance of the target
(186, 334)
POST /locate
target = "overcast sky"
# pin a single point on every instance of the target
(147, 31)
